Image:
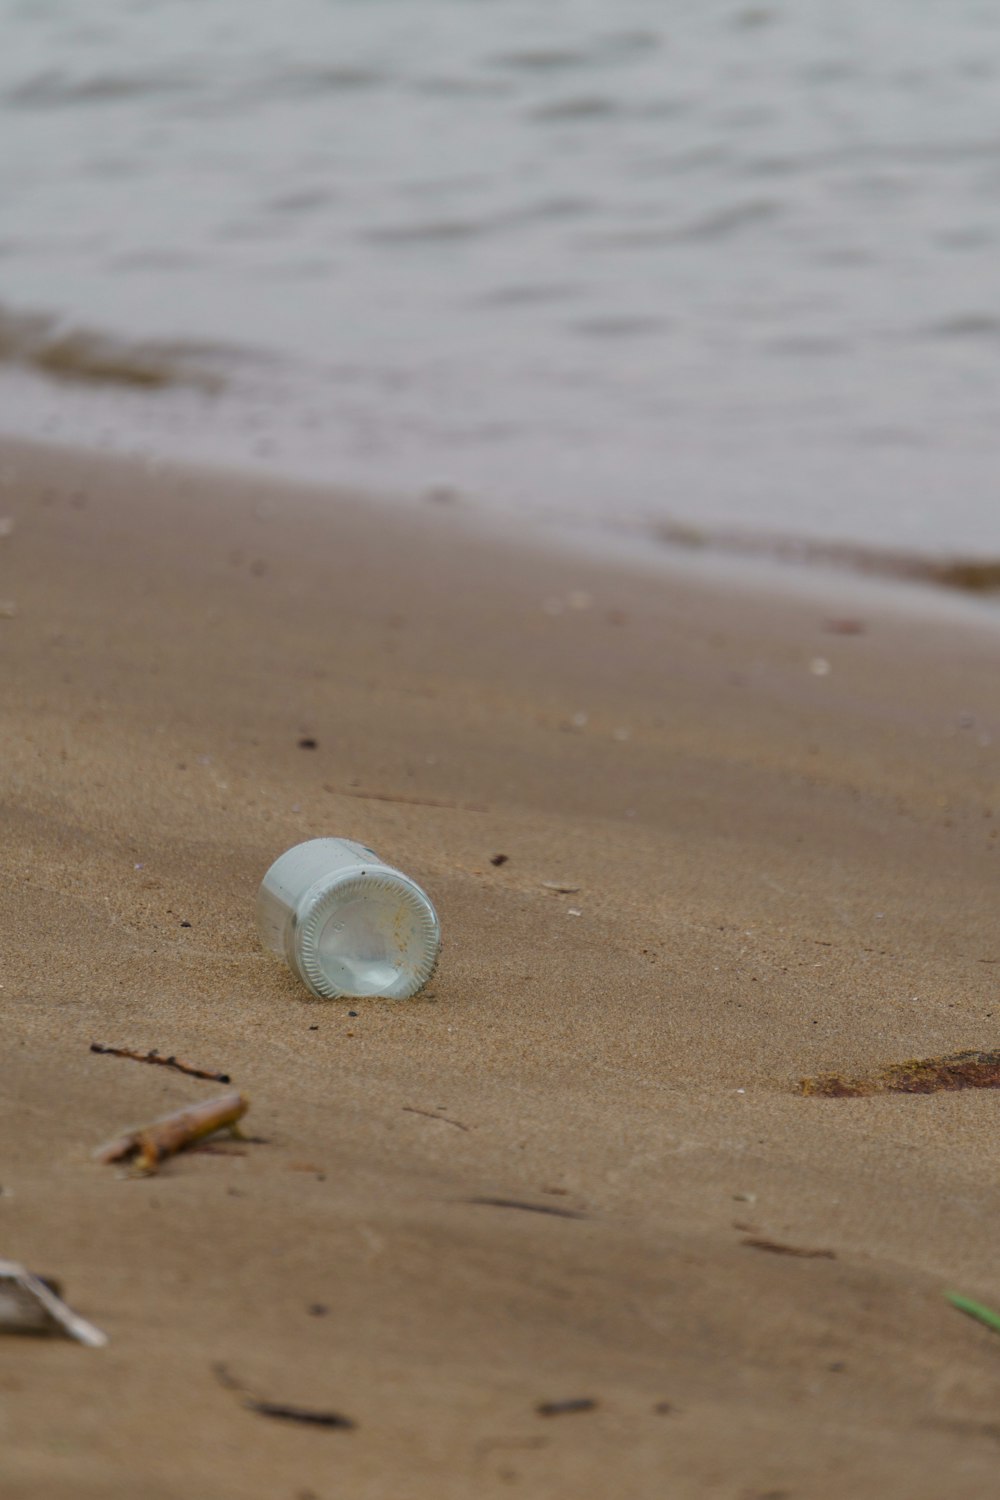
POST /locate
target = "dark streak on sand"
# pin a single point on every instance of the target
(280, 1410)
(298, 1414)
(564, 1408)
(430, 1115)
(407, 801)
(531, 1208)
(777, 1248)
(918, 1075)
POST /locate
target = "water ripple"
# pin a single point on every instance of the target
(55, 89)
(725, 223)
(43, 342)
(971, 325)
(582, 107)
(686, 254)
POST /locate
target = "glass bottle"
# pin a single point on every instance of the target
(346, 923)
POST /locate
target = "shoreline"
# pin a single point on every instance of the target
(958, 585)
(773, 845)
(719, 553)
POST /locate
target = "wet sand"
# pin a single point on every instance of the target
(536, 1182)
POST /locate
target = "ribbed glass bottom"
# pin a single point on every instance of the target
(371, 936)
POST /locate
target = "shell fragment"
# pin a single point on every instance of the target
(29, 1305)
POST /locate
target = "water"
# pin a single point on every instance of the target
(682, 263)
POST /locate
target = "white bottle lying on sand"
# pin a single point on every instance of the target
(346, 923)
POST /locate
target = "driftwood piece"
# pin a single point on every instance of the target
(151, 1144)
(31, 1304)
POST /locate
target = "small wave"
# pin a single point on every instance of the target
(971, 325)
(890, 435)
(808, 345)
(828, 70)
(627, 239)
(529, 294)
(972, 237)
(753, 17)
(58, 89)
(616, 46)
(668, 108)
(586, 107)
(444, 86)
(727, 222)
(158, 258)
(971, 575)
(306, 80)
(432, 231)
(929, 153)
(545, 210)
(542, 59)
(301, 200)
(724, 224)
(775, 165)
(43, 342)
(621, 327)
(446, 230)
(632, 43)
(54, 89)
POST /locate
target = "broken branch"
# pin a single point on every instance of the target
(151, 1144)
(163, 1062)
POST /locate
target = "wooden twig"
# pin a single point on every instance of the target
(161, 1061)
(151, 1144)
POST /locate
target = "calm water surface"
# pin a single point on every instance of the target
(725, 264)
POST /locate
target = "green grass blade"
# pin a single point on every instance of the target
(975, 1310)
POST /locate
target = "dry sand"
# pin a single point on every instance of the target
(779, 872)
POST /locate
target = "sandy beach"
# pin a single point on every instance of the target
(747, 839)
